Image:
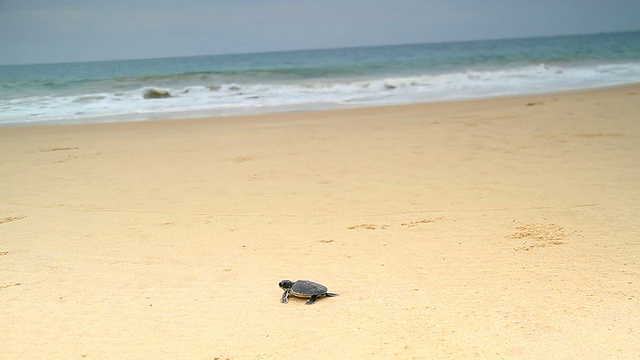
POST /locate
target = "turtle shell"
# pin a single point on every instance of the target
(306, 289)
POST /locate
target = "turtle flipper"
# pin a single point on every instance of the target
(330, 295)
(313, 300)
(284, 299)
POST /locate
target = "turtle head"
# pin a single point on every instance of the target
(286, 284)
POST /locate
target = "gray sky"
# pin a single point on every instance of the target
(80, 30)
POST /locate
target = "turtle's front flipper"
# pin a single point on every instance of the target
(285, 296)
(313, 300)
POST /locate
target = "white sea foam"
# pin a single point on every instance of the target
(249, 98)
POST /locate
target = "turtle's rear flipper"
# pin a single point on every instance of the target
(331, 295)
(313, 300)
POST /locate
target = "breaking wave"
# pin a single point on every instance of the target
(200, 94)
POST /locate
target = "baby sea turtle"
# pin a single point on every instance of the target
(304, 289)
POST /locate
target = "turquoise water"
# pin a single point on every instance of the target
(314, 79)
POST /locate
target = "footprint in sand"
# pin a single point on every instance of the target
(539, 236)
(382, 227)
(10, 285)
(423, 221)
(242, 159)
(598, 135)
(324, 241)
(367, 227)
(59, 149)
(11, 218)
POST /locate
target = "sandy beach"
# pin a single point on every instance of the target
(496, 228)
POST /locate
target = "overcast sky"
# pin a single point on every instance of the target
(80, 30)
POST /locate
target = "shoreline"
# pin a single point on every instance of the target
(199, 115)
(490, 228)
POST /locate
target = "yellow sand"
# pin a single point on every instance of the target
(502, 228)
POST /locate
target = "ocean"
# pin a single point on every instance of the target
(309, 80)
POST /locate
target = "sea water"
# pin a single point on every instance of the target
(310, 80)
